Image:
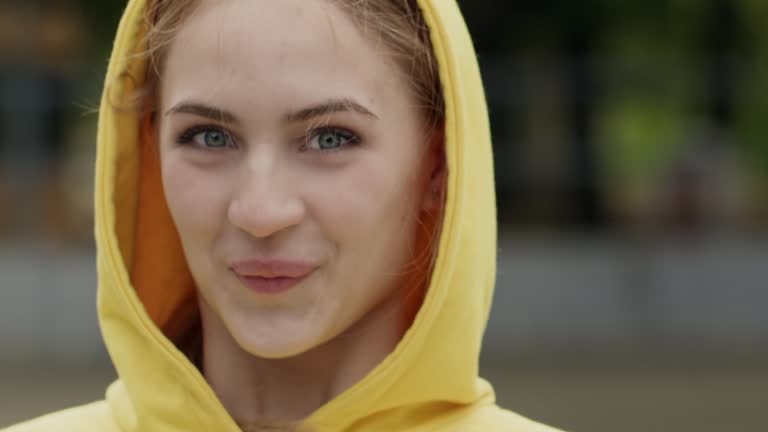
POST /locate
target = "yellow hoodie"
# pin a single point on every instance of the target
(429, 382)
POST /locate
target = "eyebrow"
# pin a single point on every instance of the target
(324, 108)
(328, 107)
(203, 110)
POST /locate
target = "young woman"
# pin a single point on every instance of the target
(296, 220)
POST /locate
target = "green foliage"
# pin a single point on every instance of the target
(102, 18)
(638, 135)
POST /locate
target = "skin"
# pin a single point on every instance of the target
(272, 192)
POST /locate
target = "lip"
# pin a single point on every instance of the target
(272, 276)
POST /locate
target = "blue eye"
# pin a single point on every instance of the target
(211, 138)
(207, 137)
(331, 139)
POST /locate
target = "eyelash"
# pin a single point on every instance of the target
(188, 137)
(352, 139)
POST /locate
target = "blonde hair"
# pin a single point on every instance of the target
(398, 24)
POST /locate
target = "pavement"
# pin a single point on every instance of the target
(586, 334)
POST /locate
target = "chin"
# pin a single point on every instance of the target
(278, 343)
(276, 351)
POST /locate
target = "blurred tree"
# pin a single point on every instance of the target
(751, 90)
(102, 17)
(565, 33)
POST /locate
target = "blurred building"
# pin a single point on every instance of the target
(42, 51)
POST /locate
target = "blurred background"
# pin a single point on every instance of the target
(632, 175)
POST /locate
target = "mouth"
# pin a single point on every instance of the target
(270, 285)
(271, 276)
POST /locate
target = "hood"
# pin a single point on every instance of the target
(146, 293)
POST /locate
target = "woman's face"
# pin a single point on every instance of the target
(294, 165)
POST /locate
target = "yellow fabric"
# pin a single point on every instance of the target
(429, 383)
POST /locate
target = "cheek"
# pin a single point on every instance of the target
(369, 209)
(196, 199)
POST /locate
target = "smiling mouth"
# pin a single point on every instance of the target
(271, 276)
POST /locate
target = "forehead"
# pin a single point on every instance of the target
(289, 50)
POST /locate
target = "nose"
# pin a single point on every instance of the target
(265, 205)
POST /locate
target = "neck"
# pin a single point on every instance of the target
(253, 389)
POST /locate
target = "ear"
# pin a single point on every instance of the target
(437, 172)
